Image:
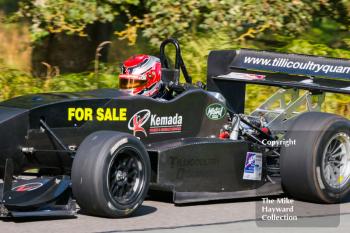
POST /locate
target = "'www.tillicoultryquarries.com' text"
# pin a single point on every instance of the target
(307, 65)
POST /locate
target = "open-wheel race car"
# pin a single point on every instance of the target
(104, 149)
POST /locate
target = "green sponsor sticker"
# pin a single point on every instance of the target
(215, 111)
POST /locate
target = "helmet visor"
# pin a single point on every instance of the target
(129, 82)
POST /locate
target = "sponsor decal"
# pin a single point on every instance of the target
(99, 114)
(27, 187)
(215, 111)
(137, 121)
(192, 167)
(165, 124)
(253, 166)
(291, 64)
(157, 124)
(176, 162)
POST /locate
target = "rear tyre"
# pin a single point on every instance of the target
(317, 167)
(110, 174)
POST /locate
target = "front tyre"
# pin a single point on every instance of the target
(317, 168)
(110, 174)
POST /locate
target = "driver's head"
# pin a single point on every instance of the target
(141, 74)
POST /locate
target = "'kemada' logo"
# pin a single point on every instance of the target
(158, 124)
(215, 111)
(137, 121)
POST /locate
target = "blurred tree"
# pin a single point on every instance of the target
(66, 33)
(70, 17)
(241, 20)
(9, 6)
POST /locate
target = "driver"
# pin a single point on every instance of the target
(141, 75)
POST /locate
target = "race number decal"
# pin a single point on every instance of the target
(253, 166)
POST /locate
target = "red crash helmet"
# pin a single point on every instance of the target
(141, 74)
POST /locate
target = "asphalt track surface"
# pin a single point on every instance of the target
(162, 216)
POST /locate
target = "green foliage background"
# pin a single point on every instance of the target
(319, 27)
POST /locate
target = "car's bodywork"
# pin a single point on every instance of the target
(180, 156)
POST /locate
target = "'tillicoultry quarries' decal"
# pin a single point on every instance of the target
(157, 124)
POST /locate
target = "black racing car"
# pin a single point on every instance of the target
(105, 149)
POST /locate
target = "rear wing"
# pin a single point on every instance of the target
(229, 72)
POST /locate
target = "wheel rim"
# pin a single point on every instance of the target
(336, 161)
(125, 176)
